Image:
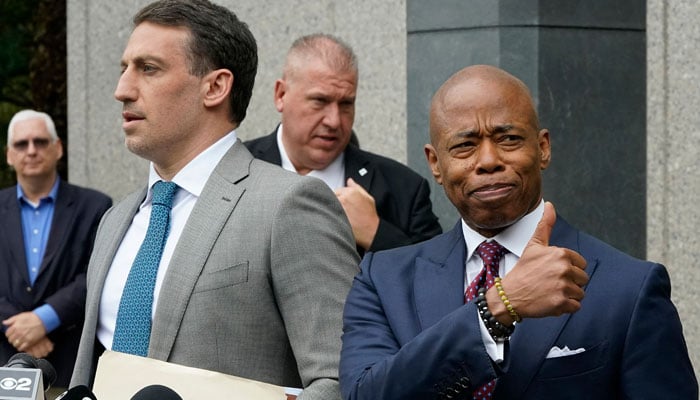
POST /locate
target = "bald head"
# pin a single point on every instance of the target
(480, 86)
(332, 51)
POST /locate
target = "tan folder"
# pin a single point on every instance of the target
(119, 376)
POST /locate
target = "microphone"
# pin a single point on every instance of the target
(156, 392)
(80, 392)
(24, 360)
(25, 377)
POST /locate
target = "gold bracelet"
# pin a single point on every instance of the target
(502, 294)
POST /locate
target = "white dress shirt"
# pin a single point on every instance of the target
(514, 238)
(190, 181)
(333, 175)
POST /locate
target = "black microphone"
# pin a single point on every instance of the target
(24, 360)
(156, 392)
(80, 392)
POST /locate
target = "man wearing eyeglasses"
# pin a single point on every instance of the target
(46, 236)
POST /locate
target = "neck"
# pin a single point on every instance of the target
(37, 188)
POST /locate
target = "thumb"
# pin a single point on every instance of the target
(351, 183)
(544, 227)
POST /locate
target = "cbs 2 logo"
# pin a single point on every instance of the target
(21, 384)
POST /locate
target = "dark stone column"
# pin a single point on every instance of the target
(585, 63)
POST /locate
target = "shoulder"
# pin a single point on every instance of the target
(260, 143)
(391, 169)
(434, 251)
(87, 195)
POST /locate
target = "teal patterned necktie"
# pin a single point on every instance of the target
(133, 328)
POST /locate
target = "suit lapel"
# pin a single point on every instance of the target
(439, 279)
(533, 338)
(358, 167)
(63, 214)
(208, 217)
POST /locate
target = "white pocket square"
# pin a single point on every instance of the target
(556, 352)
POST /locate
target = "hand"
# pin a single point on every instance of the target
(546, 281)
(41, 349)
(361, 211)
(24, 330)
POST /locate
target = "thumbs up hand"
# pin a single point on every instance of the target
(546, 281)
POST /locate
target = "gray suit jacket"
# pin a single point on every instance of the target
(256, 285)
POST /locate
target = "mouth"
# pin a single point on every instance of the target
(492, 192)
(130, 118)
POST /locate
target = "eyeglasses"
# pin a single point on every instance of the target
(39, 144)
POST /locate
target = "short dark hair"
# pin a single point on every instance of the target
(218, 40)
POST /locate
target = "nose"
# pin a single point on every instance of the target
(331, 117)
(31, 147)
(126, 90)
(488, 157)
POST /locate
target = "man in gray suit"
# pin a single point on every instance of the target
(258, 261)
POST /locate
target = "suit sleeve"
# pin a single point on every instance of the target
(422, 222)
(313, 263)
(443, 360)
(655, 363)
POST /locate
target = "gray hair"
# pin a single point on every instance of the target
(25, 115)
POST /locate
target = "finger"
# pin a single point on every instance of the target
(351, 183)
(544, 227)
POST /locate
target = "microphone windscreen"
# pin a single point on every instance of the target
(80, 392)
(48, 372)
(21, 360)
(156, 392)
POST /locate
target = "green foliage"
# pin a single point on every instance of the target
(32, 66)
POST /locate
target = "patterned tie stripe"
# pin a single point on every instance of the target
(133, 328)
(491, 254)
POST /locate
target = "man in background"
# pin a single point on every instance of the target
(387, 203)
(222, 262)
(513, 302)
(46, 237)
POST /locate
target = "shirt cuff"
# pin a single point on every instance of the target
(48, 317)
(493, 349)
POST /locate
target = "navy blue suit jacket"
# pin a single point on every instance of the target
(61, 278)
(401, 196)
(409, 335)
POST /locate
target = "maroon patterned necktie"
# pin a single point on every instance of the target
(491, 254)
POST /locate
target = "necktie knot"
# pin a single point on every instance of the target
(491, 252)
(163, 193)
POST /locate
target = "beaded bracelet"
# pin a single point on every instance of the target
(498, 331)
(506, 302)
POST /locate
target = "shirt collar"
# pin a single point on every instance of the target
(52, 193)
(514, 238)
(195, 174)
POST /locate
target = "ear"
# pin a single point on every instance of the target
(59, 150)
(8, 156)
(217, 87)
(432, 158)
(280, 91)
(545, 148)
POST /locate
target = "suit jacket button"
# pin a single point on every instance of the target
(29, 289)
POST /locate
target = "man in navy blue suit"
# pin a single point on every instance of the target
(567, 316)
(46, 235)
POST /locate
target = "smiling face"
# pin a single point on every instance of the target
(33, 153)
(486, 148)
(162, 100)
(318, 108)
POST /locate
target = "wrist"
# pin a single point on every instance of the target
(499, 332)
(497, 308)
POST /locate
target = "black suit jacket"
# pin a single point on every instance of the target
(61, 278)
(402, 197)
